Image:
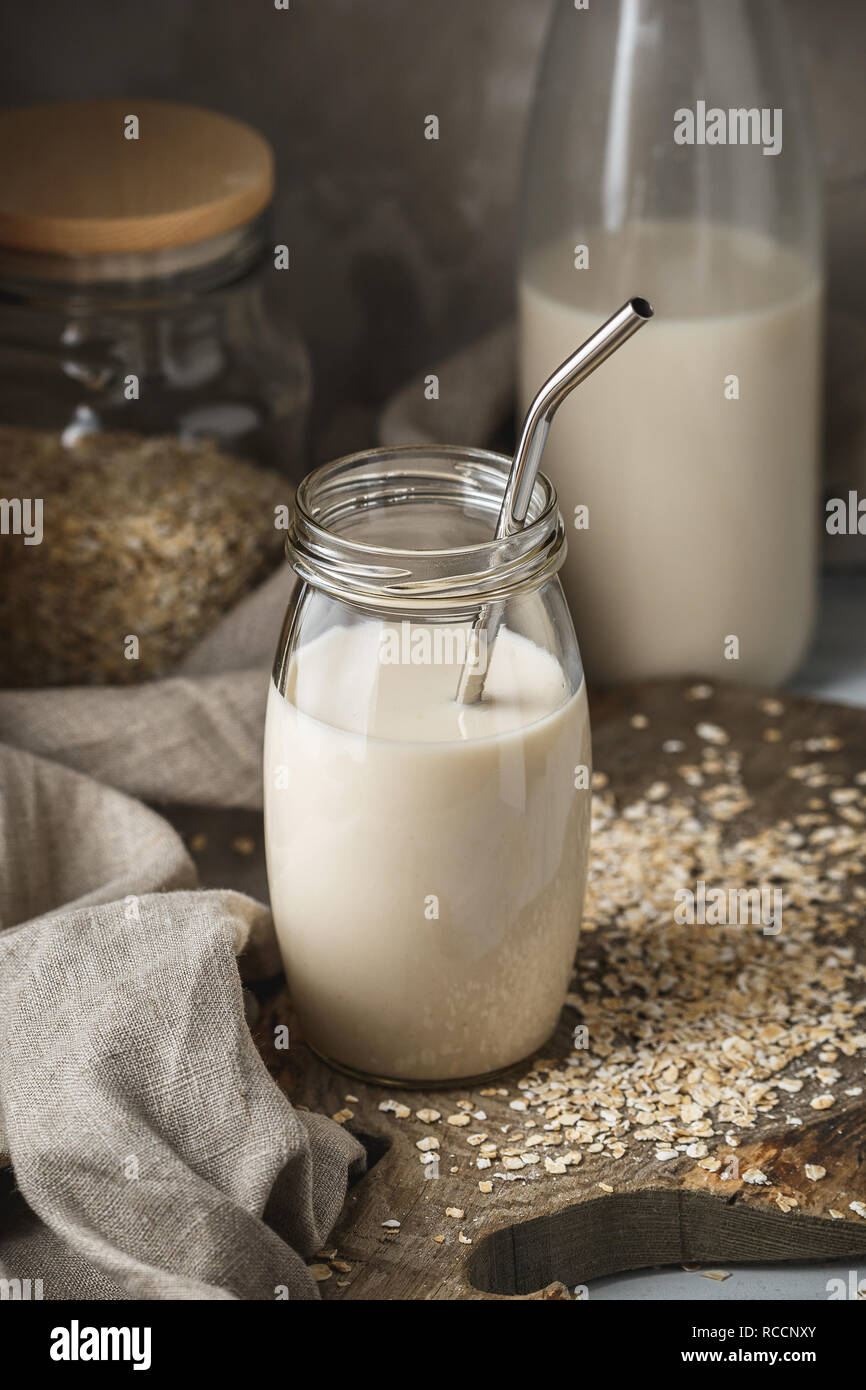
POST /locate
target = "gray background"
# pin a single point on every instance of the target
(402, 247)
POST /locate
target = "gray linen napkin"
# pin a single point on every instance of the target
(194, 738)
(156, 1155)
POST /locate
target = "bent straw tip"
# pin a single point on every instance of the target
(641, 307)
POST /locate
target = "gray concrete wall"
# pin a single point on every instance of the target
(402, 247)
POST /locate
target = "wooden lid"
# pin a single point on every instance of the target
(72, 184)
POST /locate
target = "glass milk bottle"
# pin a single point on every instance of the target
(426, 858)
(670, 154)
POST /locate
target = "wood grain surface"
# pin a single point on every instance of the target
(73, 184)
(540, 1234)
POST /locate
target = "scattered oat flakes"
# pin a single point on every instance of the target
(320, 1273)
(822, 1102)
(859, 1208)
(244, 844)
(720, 1275)
(657, 791)
(394, 1107)
(721, 1024)
(391, 1224)
(341, 1116)
(754, 1175)
(428, 1117)
(605, 1187)
(427, 1143)
(827, 1075)
(712, 733)
(691, 775)
(464, 1240)
(844, 796)
(485, 1186)
(458, 1120)
(772, 707)
(456, 1212)
(639, 721)
(815, 1172)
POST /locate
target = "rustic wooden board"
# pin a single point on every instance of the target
(542, 1228)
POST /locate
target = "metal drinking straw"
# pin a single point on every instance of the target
(527, 457)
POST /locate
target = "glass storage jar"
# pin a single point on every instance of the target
(426, 859)
(147, 403)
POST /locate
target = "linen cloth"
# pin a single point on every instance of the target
(156, 1155)
(194, 738)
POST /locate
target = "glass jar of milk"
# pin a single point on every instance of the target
(426, 858)
(670, 154)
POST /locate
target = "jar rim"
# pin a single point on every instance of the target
(438, 578)
(192, 269)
